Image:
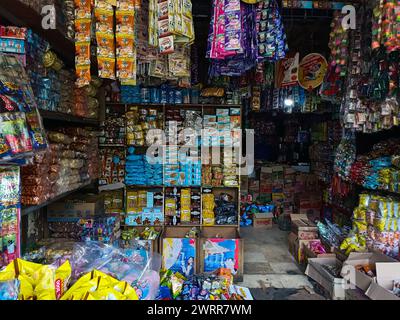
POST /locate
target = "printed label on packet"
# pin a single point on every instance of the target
(162, 9)
(166, 45)
(232, 5)
(232, 40)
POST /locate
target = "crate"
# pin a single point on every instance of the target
(171, 235)
(209, 239)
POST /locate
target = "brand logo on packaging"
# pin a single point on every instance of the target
(58, 285)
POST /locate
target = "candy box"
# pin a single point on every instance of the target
(134, 219)
(222, 112)
(235, 111)
(147, 216)
(358, 278)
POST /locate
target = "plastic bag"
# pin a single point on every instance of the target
(9, 290)
(37, 281)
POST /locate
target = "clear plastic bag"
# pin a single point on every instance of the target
(9, 290)
(138, 267)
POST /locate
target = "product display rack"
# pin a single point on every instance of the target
(234, 189)
(30, 209)
(19, 14)
(65, 117)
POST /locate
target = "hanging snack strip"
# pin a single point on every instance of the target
(386, 25)
(174, 25)
(333, 86)
(271, 39)
(83, 15)
(21, 127)
(104, 14)
(126, 42)
(10, 209)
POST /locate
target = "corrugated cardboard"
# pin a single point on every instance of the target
(244, 183)
(361, 280)
(379, 289)
(303, 227)
(308, 254)
(262, 220)
(301, 244)
(292, 239)
(77, 207)
(334, 286)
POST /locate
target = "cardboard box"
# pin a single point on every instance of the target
(303, 227)
(262, 220)
(334, 286)
(292, 239)
(357, 278)
(355, 294)
(264, 197)
(244, 183)
(381, 288)
(266, 175)
(301, 244)
(309, 254)
(296, 247)
(77, 207)
(254, 185)
(266, 188)
(219, 234)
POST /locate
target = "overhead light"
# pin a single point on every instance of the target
(288, 102)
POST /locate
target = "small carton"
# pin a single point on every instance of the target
(262, 220)
(303, 227)
(77, 207)
(358, 278)
(254, 185)
(301, 245)
(381, 288)
(334, 286)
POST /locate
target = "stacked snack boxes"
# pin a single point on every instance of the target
(144, 208)
(289, 190)
(308, 197)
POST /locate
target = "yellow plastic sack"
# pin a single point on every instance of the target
(97, 285)
(251, 1)
(37, 281)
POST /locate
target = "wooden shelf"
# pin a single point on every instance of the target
(21, 15)
(112, 145)
(29, 209)
(64, 117)
(178, 105)
(144, 186)
(380, 191)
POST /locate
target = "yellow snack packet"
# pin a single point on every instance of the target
(62, 278)
(130, 293)
(107, 294)
(86, 283)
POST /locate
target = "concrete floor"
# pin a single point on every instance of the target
(270, 272)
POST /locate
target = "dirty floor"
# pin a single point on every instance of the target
(270, 272)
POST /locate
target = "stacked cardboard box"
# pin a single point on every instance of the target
(288, 189)
(308, 195)
(384, 273)
(303, 233)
